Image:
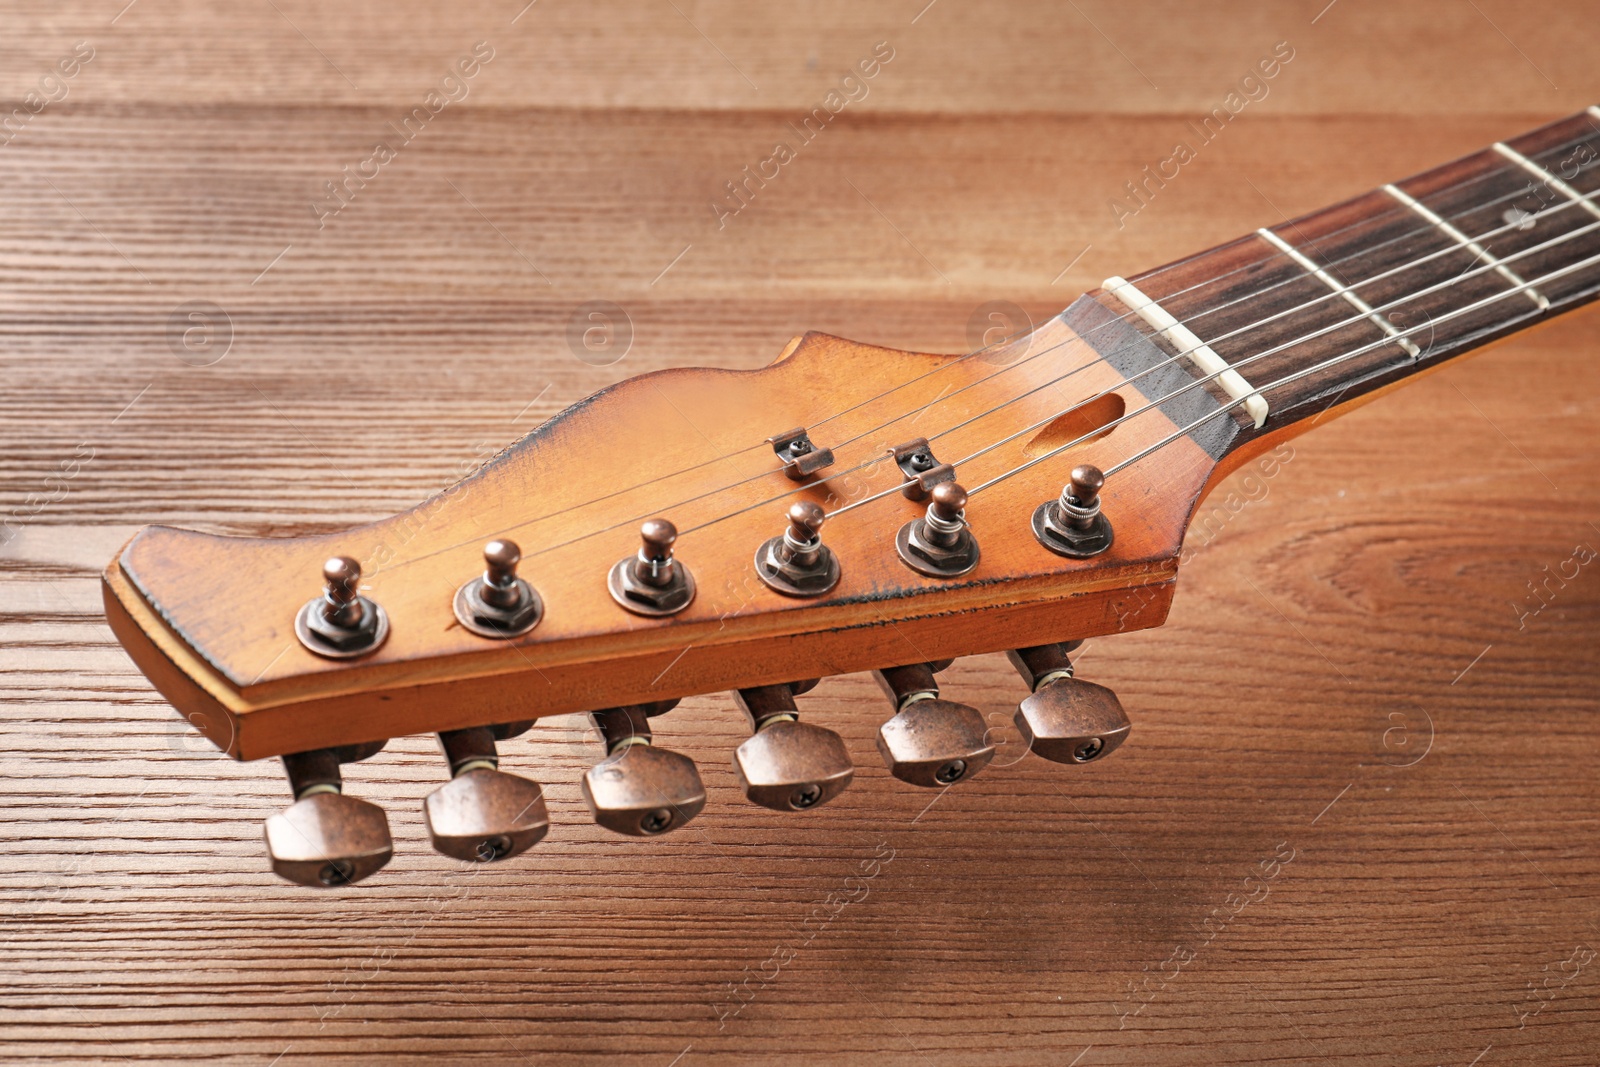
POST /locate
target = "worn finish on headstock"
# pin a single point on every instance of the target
(210, 618)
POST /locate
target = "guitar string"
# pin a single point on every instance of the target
(1170, 360)
(1400, 210)
(1521, 222)
(1582, 264)
(1354, 319)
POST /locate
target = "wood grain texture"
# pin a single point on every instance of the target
(1374, 583)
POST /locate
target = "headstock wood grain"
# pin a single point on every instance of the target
(846, 508)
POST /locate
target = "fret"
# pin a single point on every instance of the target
(1343, 290)
(1546, 177)
(1190, 345)
(1468, 243)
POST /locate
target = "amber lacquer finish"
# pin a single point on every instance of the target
(209, 619)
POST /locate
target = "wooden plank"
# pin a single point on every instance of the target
(1375, 574)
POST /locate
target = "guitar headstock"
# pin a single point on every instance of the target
(847, 508)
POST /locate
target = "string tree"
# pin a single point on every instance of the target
(1065, 720)
(640, 789)
(341, 623)
(1073, 524)
(796, 563)
(940, 544)
(921, 468)
(786, 764)
(498, 603)
(326, 838)
(483, 813)
(930, 742)
(800, 456)
(653, 581)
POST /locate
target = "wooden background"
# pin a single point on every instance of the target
(1347, 676)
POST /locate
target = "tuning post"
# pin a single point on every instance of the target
(483, 813)
(788, 765)
(1072, 525)
(940, 544)
(1066, 720)
(653, 581)
(796, 563)
(325, 838)
(498, 603)
(341, 623)
(639, 789)
(930, 742)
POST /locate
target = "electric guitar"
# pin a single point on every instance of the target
(847, 508)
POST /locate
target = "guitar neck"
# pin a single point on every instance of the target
(1333, 305)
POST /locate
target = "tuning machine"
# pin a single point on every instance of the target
(930, 741)
(498, 603)
(326, 838)
(940, 544)
(483, 813)
(639, 789)
(341, 623)
(785, 764)
(1072, 525)
(652, 581)
(1066, 720)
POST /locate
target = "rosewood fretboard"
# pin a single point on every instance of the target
(1380, 287)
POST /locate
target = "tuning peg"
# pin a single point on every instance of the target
(940, 544)
(1072, 525)
(341, 623)
(639, 789)
(788, 765)
(498, 603)
(326, 838)
(796, 562)
(1066, 720)
(929, 742)
(482, 813)
(652, 581)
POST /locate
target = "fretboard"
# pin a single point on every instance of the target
(1335, 304)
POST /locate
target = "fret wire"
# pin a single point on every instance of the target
(1342, 290)
(1466, 242)
(1545, 176)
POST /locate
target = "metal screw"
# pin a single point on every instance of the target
(656, 822)
(806, 796)
(799, 447)
(493, 848)
(921, 460)
(951, 772)
(336, 873)
(1088, 750)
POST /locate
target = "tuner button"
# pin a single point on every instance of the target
(644, 791)
(652, 581)
(328, 839)
(1072, 721)
(482, 813)
(792, 766)
(498, 604)
(935, 743)
(485, 815)
(341, 623)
